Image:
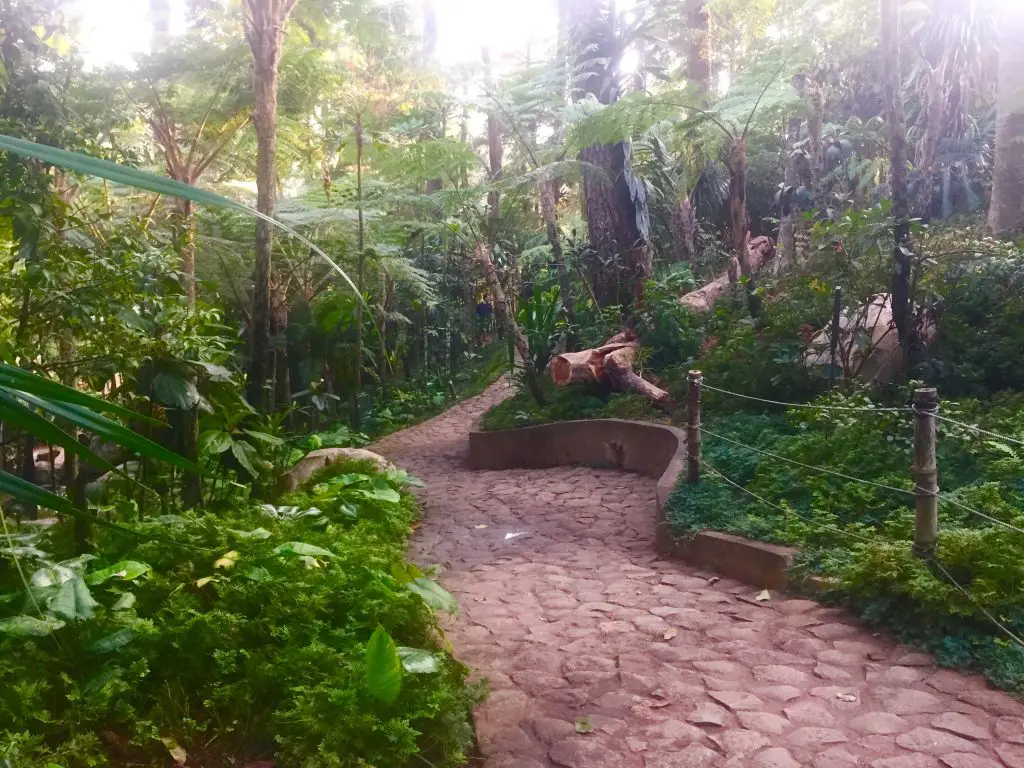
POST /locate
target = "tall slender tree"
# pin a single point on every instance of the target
(1006, 213)
(893, 86)
(698, 53)
(265, 22)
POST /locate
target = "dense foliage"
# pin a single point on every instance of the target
(288, 225)
(235, 635)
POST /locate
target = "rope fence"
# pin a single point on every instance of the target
(925, 489)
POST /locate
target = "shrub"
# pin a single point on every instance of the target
(239, 636)
(858, 536)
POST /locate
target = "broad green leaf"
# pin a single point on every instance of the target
(121, 174)
(257, 573)
(29, 383)
(264, 437)
(349, 478)
(113, 642)
(175, 390)
(417, 661)
(383, 667)
(126, 570)
(383, 493)
(73, 601)
(296, 548)
(52, 576)
(17, 415)
(30, 626)
(124, 602)
(405, 572)
(433, 594)
(245, 454)
(214, 441)
(108, 430)
(217, 373)
(258, 534)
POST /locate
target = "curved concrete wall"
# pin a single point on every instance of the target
(654, 450)
(634, 446)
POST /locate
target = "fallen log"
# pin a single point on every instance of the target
(759, 250)
(611, 364)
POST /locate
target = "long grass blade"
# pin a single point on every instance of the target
(15, 414)
(25, 381)
(109, 430)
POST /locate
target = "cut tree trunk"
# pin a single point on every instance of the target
(611, 364)
(759, 250)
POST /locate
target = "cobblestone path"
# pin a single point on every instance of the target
(601, 655)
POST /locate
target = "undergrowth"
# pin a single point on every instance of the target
(274, 631)
(858, 537)
(567, 404)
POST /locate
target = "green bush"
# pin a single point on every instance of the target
(236, 637)
(567, 404)
(858, 537)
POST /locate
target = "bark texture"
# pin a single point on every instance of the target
(620, 261)
(787, 224)
(739, 218)
(684, 231)
(698, 55)
(759, 250)
(264, 29)
(612, 364)
(893, 86)
(1006, 213)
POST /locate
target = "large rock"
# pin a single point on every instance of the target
(313, 462)
(869, 347)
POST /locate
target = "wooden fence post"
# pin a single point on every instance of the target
(693, 381)
(926, 472)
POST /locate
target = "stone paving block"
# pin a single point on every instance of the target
(581, 626)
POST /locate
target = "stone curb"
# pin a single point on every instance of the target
(654, 450)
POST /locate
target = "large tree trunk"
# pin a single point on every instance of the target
(1006, 213)
(620, 262)
(684, 231)
(893, 86)
(264, 29)
(698, 56)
